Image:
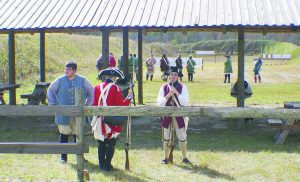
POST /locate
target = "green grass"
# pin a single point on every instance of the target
(231, 154)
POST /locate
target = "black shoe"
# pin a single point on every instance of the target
(186, 161)
(164, 161)
(105, 168)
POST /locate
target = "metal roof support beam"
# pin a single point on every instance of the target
(140, 64)
(42, 56)
(11, 67)
(105, 46)
(241, 68)
(125, 52)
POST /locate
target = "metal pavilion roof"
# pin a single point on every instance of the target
(60, 15)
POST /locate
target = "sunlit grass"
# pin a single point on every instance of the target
(217, 154)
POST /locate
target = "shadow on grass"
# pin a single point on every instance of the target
(146, 134)
(255, 136)
(211, 173)
(117, 174)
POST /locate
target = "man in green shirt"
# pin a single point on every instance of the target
(227, 68)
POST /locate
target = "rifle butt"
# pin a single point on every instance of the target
(127, 161)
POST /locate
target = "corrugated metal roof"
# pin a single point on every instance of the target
(32, 15)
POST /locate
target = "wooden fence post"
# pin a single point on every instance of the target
(79, 134)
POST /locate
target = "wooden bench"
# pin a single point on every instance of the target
(6, 86)
(39, 94)
(284, 126)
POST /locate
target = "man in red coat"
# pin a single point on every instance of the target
(112, 62)
(108, 94)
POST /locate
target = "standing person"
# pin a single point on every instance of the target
(150, 63)
(257, 69)
(174, 94)
(99, 64)
(121, 63)
(108, 94)
(178, 63)
(227, 68)
(62, 92)
(190, 66)
(164, 66)
(111, 60)
(130, 65)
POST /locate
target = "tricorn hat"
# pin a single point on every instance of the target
(112, 72)
(171, 69)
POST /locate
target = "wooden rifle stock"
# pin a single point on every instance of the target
(172, 136)
(172, 144)
(127, 157)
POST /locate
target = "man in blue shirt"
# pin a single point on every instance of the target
(62, 92)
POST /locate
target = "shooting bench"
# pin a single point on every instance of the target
(284, 126)
(39, 94)
(6, 86)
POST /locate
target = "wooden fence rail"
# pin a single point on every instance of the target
(224, 112)
(42, 148)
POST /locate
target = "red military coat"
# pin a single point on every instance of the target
(114, 98)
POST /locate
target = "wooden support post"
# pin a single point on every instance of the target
(11, 67)
(140, 66)
(42, 56)
(125, 51)
(105, 47)
(79, 134)
(241, 68)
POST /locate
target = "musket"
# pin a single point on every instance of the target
(128, 131)
(172, 136)
(172, 143)
(131, 87)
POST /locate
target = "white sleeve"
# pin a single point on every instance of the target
(184, 96)
(161, 100)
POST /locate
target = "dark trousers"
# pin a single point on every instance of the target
(227, 76)
(190, 76)
(64, 139)
(151, 77)
(106, 150)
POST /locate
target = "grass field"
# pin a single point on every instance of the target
(218, 149)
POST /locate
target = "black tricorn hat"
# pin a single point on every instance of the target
(171, 69)
(112, 72)
(174, 69)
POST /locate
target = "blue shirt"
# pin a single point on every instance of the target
(62, 92)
